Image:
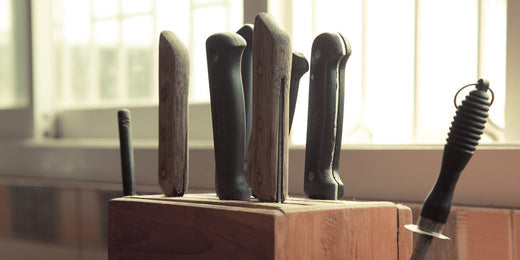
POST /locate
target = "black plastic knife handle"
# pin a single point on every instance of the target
(247, 77)
(328, 50)
(465, 132)
(224, 52)
(299, 66)
(127, 153)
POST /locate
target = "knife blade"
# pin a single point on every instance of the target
(299, 66)
(330, 52)
(247, 77)
(127, 152)
(267, 156)
(224, 52)
(466, 129)
(173, 115)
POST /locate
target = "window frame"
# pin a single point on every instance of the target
(370, 172)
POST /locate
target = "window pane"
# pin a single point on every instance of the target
(447, 61)
(10, 94)
(389, 71)
(407, 63)
(119, 39)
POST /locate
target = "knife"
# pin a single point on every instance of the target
(173, 115)
(247, 77)
(267, 156)
(330, 52)
(127, 152)
(300, 66)
(224, 52)
(466, 129)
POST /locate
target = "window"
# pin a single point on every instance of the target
(408, 60)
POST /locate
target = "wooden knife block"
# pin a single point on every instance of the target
(200, 226)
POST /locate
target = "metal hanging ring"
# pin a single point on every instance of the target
(469, 85)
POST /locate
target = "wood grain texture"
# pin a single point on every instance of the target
(173, 115)
(5, 211)
(405, 237)
(488, 233)
(476, 233)
(200, 226)
(516, 234)
(267, 161)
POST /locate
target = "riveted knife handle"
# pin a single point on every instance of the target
(267, 157)
(300, 66)
(224, 51)
(173, 115)
(328, 50)
(466, 129)
(126, 151)
(247, 77)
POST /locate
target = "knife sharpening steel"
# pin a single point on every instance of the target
(200, 226)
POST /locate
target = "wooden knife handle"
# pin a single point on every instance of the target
(328, 50)
(224, 51)
(267, 157)
(247, 77)
(300, 66)
(173, 114)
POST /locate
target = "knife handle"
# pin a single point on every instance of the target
(247, 77)
(339, 123)
(224, 52)
(126, 150)
(328, 50)
(173, 115)
(300, 66)
(267, 157)
(465, 132)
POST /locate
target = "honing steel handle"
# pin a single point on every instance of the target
(300, 66)
(173, 114)
(224, 51)
(267, 157)
(247, 77)
(328, 51)
(465, 132)
(126, 150)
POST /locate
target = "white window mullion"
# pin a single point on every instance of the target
(94, 86)
(122, 57)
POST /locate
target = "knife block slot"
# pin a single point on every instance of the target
(202, 226)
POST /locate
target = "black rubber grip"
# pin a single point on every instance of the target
(224, 51)
(465, 132)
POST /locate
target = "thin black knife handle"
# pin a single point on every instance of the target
(299, 66)
(327, 51)
(465, 132)
(126, 150)
(224, 52)
(247, 77)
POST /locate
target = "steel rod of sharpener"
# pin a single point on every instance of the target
(127, 154)
(422, 246)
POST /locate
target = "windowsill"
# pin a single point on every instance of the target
(379, 172)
